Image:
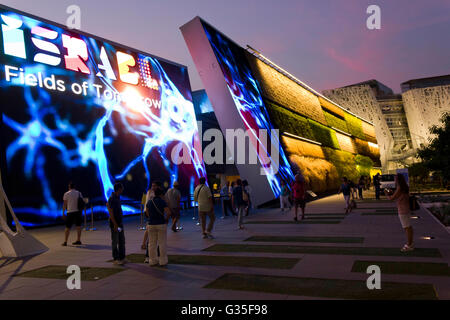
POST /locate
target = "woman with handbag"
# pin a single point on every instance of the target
(401, 197)
(158, 214)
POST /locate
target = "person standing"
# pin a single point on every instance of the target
(299, 195)
(173, 198)
(158, 214)
(226, 201)
(401, 197)
(239, 203)
(116, 224)
(247, 196)
(377, 185)
(284, 197)
(72, 202)
(204, 197)
(346, 191)
(150, 195)
(361, 185)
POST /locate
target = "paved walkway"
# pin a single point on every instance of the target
(139, 281)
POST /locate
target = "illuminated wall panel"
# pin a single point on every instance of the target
(302, 148)
(331, 107)
(279, 88)
(368, 129)
(79, 108)
(346, 143)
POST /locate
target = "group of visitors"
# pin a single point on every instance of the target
(160, 207)
(227, 192)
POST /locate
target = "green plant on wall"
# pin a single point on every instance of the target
(355, 126)
(343, 161)
(288, 121)
(324, 135)
(363, 164)
(336, 122)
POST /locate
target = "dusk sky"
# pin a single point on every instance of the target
(325, 43)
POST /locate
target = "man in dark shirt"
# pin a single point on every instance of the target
(346, 190)
(239, 203)
(158, 214)
(116, 225)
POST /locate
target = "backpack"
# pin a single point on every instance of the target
(244, 195)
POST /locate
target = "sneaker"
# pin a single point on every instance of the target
(64, 244)
(146, 260)
(121, 262)
(116, 262)
(210, 236)
(205, 236)
(77, 243)
(407, 248)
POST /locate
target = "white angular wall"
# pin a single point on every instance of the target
(424, 108)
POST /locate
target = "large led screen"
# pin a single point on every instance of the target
(81, 109)
(246, 93)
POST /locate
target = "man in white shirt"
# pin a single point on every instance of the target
(173, 199)
(204, 197)
(74, 214)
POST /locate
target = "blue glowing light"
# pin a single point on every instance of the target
(50, 132)
(247, 97)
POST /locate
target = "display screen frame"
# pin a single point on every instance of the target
(39, 216)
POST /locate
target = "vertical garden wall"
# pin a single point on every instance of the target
(330, 142)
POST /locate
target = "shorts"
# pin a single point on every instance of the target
(175, 213)
(300, 202)
(405, 220)
(74, 218)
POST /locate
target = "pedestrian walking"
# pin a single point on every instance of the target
(401, 197)
(346, 191)
(284, 197)
(247, 196)
(299, 195)
(116, 225)
(204, 197)
(173, 200)
(239, 203)
(158, 213)
(73, 204)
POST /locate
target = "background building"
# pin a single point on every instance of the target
(402, 121)
(425, 101)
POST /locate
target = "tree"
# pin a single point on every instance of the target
(419, 172)
(436, 155)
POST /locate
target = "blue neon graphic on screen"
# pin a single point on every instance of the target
(248, 99)
(53, 137)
